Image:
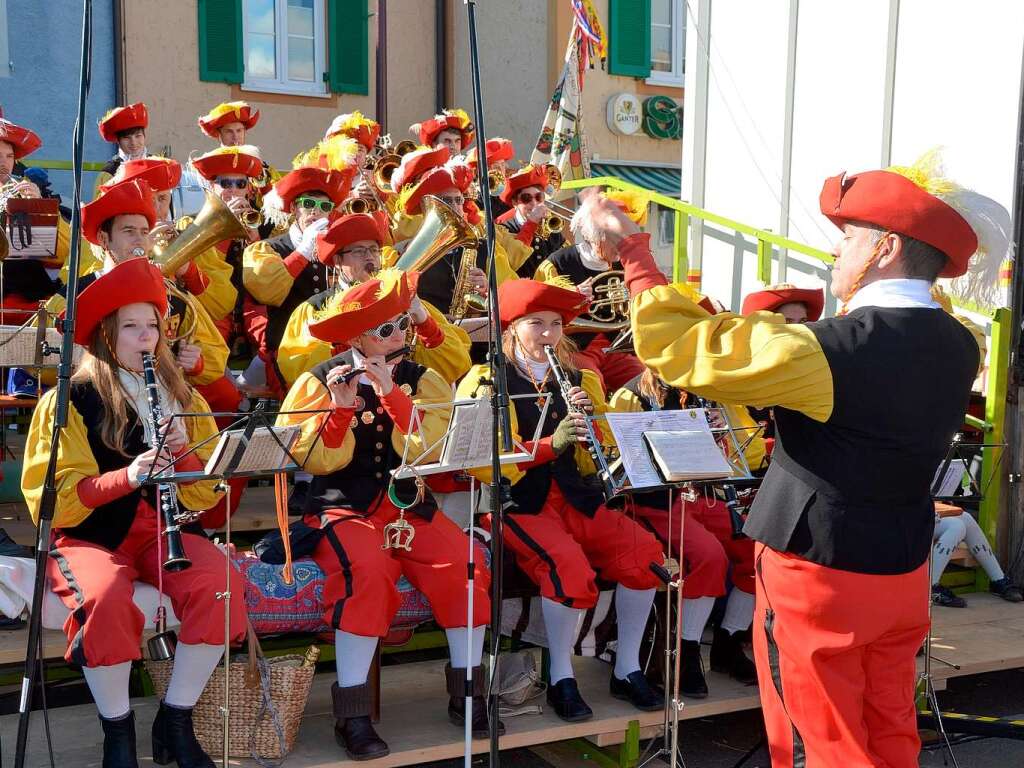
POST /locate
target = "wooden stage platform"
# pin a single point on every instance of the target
(986, 636)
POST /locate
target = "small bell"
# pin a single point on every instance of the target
(161, 645)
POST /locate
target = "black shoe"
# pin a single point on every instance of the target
(119, 742)
(1007, 590)
(691, 671)
(174, 739)
(297, 501)
(481, 718)
(727, 657)
(640, 693)
(564, 698)
(352, 727)
(945, 597)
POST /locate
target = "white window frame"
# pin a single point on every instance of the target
(676, 76)
(281, 84)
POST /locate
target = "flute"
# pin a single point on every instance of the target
(345, 378)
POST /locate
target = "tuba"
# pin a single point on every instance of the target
(214, 222)
(609, 309)
(385, 167)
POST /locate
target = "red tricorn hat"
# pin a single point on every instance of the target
(355, 126)
(127, 197)
(161, 173)
(449, 120)
(497, 149)
(517, 298)
(131, 282)
(229, 161)
(334, 184)
(894, 202)
(774, 296)
(24, 141)
(416, 163)
(436, 181)
(121, 119)
(351, 229)
(530, 176)
(228, 112)
(365, 306)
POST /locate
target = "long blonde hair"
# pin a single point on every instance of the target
(99, 367)
(565, 350)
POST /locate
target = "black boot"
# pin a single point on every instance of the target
(691, 671)
(727, 657)
(174, 739)
(564, 698)
(638, 691)
(1007, 590)
(352, 727)
(456, 684)
(119, 742)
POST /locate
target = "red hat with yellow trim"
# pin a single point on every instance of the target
(528, 176)
(242, 160)
(22, 140)
(449, 120)
(365, 306)
(517, 298)
(134, 196)
(416, 163)
(356, 126)
(134, 281)
(497, 149)
(161, 173)
(351, 229)
(334, 184)
(228, 112)
(121, 119)
(774, 296)
(434, 182)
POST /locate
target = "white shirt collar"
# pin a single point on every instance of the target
(520, 219)
(591, 260)
(125, 157)
(901, 293)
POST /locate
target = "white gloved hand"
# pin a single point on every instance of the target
(307, 243)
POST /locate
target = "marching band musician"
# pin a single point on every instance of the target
(708, 544)
(500, 153)
(352, 246)
(355, 504)
(229, 122)
(284, 271)
(561, 530)
(16, 142)
(582, 263)
(106, 528)
(840, 611)
(524, 195)
(125, 127)
(365, 133)
(451, 129)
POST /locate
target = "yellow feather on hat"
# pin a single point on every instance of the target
(336, 153)
(336, 304)
(227, 106)
(635, 204)
(561, 281)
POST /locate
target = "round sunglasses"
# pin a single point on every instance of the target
(388, 329)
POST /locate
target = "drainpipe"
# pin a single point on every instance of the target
(382, 65)
(440, 54)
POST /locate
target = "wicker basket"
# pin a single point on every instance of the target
(253, 733)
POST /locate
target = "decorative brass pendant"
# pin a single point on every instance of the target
(399, 534)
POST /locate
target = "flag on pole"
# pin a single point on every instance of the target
(562, 141)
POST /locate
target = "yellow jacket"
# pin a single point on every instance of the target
(265, 275)
(220, 294)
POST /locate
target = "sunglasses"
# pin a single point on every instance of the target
(231, 183)
(388, 329)
(528, 197)
(363, 251)
(309, 203)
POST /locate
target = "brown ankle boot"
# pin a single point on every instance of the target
(455, 679)
(352, 727)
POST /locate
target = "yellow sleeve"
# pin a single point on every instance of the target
(211, 344)
(431, 390)
(503, 268)
(220, 295)
(624, 401)
(299, 349)
(470, 387)
(201, 494)
(406, 227)
(264, 274)
(756, 360)
(88, 261)
(545, 271)
(75, 462)
(516, 251)
(451, 358)
(101, 178)
(388, 257)
(309, 394)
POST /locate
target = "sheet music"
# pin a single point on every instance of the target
(953, 479)
(43, 245)
(469, 438)
(628, 430)
(262, 453)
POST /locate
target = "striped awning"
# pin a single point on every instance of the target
(667, 181)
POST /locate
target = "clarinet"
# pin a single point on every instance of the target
(166, 493)
(593, 444)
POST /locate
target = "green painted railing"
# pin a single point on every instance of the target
(61, 165)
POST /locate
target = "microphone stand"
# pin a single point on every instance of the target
(49, 498)
(501, 437)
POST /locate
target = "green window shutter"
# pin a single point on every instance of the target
(629, 32)
(220, 41)
(348, 46)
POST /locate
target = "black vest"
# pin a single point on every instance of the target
(437, 283)
(854, 493)
(568, 262)
(112, 165)
(530, 493)
(542, 248)
(359, 484)
(312, 279)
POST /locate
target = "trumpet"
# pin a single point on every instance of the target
(251, 218)
(359, 205)
(385, 167)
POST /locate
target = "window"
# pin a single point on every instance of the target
(668, 35)
(284, 46)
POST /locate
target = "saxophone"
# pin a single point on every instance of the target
(463, 299)
(166, 493)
